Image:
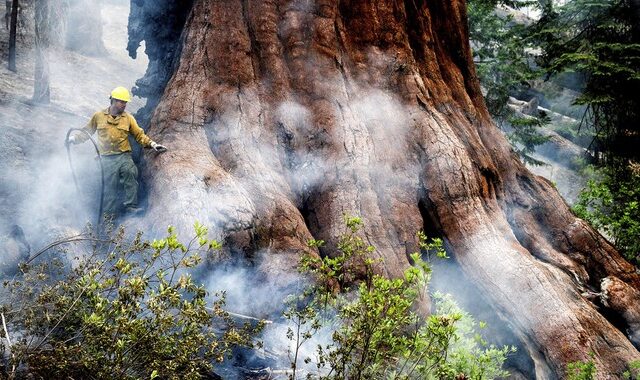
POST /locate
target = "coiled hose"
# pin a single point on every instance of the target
(73, 173)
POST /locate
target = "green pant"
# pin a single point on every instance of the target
(119, 169)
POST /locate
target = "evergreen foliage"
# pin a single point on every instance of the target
(503, 52)
(597, 43)
(525, 136)
(599, 39)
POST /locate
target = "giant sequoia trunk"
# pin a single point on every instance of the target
(281, 116)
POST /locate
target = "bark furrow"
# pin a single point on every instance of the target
(285, 115)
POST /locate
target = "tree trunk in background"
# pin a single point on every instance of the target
(84, 28)
(41, 89)
(12, 35)
(282, 116)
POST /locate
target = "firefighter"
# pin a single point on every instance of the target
(114, 126)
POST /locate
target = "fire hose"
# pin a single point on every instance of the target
(73, 172)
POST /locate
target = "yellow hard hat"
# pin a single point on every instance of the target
(121, 93)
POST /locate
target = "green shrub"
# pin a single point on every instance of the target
(128, 310)
(610, 203)
(376, 333)
(582, 370)
(634, 371)
(586, 370)
(469, 353)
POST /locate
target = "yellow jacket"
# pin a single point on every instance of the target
(113, 132)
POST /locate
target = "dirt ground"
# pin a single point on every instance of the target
(79, 84)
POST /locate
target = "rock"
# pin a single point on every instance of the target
(531, 107)
(14, 250)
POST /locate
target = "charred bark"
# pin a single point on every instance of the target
(12, 23)
(283, 115)
(160, 25)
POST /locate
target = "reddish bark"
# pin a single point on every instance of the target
(264, 90)
(12, 14)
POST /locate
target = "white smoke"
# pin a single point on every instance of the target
(80, 86)
(41, 194)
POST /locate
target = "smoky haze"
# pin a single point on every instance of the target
(37, 191)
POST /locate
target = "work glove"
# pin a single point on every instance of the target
(72, 140)
(157, 147)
